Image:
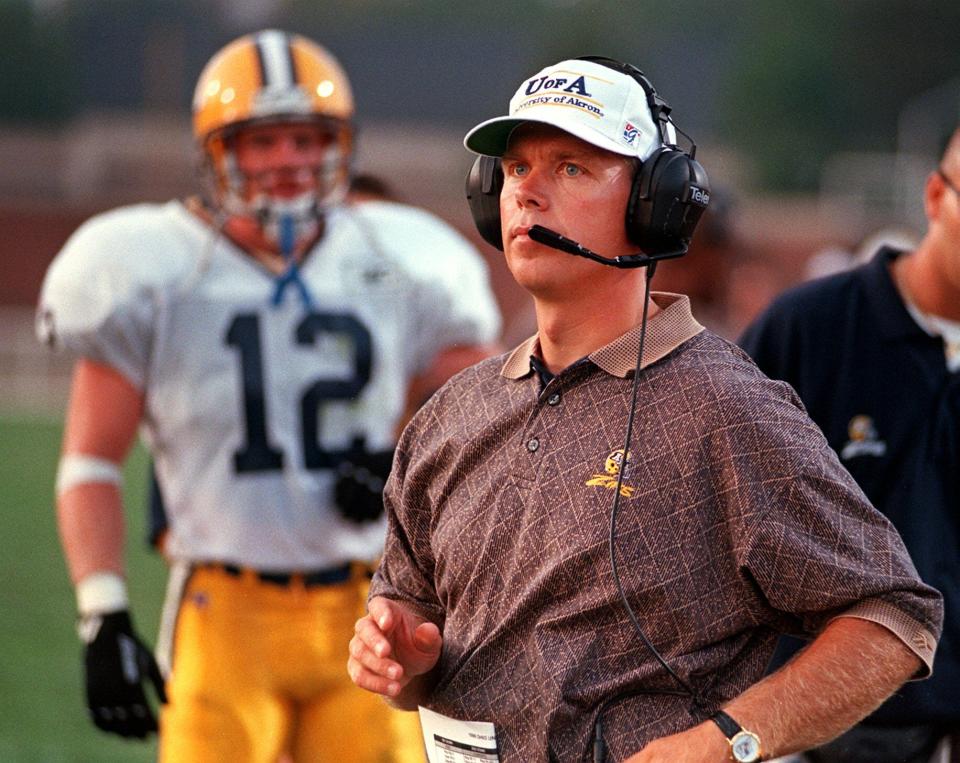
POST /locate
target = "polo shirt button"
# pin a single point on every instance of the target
(554, 399)
(533, 444)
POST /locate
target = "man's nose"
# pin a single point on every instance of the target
(530, 190)
(287, 152)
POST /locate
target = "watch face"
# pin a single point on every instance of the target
(746, 747)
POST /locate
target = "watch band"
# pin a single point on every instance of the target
(744, 745)
(728, 726)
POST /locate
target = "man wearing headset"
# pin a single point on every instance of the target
(497, 601)
(265, 339)
(874, 353)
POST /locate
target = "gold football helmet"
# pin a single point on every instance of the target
(272, 76)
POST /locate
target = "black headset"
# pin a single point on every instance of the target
(670, 189)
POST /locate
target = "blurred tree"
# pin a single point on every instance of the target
(141, 55)
(36, 80)
(808, 79)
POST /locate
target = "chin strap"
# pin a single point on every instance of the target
(301, 213)
(287, 229)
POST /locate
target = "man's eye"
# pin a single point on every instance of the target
(571, 170)
(311, 140)
(518, 170)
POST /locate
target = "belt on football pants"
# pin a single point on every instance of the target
(309, 578)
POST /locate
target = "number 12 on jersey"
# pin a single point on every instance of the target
(257, 453)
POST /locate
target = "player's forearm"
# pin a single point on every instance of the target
(91, 524)
(102, 418)
(840, 678)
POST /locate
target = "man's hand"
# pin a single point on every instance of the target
(117, 663)
(704, 743)
(391, 647)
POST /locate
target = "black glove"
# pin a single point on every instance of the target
(117, 663)
(361, 476)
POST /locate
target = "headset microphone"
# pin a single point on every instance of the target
(554, 240)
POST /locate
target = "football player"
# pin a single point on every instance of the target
(263, 339)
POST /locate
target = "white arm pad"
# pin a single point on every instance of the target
(100, 593)
(78, 469)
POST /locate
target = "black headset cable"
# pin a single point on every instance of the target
(698, 703)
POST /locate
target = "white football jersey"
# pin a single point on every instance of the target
(249, 404)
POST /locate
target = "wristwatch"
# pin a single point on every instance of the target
(744, 745)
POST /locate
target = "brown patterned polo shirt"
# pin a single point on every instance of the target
(737, 523)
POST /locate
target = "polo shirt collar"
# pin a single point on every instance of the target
(891, 316)
(666, 331)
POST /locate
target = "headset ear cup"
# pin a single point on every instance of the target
(669, 194)
(484, 183)
(640, 203)
(696, 199)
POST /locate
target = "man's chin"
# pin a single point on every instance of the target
(543, 277)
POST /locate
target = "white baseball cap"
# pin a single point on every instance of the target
(593, 102)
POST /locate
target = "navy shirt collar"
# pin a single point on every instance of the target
(892, 319)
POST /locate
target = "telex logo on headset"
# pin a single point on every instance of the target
(699, 196)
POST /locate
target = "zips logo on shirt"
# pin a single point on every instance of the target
(611, 468)
(864, 440)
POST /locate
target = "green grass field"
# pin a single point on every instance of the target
(42, 714)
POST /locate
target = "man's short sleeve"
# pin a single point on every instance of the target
(406, 570)
(822, 551)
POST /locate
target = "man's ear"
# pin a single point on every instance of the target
(933, 193)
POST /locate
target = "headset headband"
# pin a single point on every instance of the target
(659, 108)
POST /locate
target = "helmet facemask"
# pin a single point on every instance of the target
(229, 187)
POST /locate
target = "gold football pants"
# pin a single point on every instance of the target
(259, 675)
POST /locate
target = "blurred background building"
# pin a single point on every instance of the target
(816, 121)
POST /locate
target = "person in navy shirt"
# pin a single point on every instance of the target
(874, 354)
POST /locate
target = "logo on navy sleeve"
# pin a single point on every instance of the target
(864, 440)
